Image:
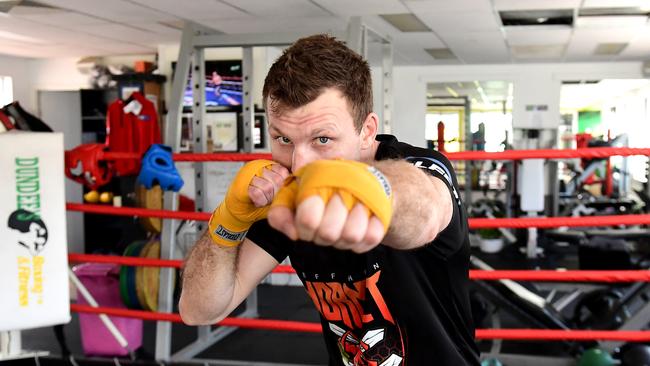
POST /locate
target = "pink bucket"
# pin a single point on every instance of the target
(103, 283)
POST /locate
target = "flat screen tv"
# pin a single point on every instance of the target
(223, 84)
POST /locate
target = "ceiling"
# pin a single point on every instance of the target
(471, 31)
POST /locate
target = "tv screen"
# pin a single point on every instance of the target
(223, 84)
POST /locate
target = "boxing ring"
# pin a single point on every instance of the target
(192, 45)
(628, 276)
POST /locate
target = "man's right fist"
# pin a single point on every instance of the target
(247, 201)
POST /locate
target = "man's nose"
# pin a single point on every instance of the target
(301, 157)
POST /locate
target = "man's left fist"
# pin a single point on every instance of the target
(340, 203)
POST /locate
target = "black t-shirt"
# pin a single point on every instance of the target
(388, 306)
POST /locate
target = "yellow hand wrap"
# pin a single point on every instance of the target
(351, 180)
(235, 215)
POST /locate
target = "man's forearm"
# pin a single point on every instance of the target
(208, 282)
(422, 205)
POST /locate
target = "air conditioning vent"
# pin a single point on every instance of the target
(560, 17)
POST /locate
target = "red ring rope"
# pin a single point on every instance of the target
(507, 334)
(176, 318)
(592, 152)
(134, 211)
(205, 157)
(518, 275)
(144, 262)
(285, 325)
(549, 222)
(474, 223)
(562, 276)
(560, 335)
(124, 260)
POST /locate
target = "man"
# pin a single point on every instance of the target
(373, 227)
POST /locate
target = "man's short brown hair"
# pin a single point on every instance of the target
(310, 66)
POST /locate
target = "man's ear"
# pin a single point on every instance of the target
(369, 130)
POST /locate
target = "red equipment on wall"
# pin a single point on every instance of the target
(132, 126)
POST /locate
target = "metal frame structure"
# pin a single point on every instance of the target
(195, 39)
(359, 36)
(387, 87)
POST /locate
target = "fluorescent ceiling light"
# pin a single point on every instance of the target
(406, 22)
(609, 49)
(441, 53)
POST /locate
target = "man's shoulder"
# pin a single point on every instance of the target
(391, 148)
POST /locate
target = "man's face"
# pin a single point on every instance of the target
(322, 129)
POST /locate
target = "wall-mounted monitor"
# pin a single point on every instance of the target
(223, 84)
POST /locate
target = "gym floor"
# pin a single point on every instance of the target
(275, 302)
(261, 346)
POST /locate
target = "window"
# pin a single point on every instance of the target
(6, 90)
(452, 134)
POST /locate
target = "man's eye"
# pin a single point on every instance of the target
(283, 140)
(323, 140)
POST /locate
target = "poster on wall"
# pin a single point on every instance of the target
(221, 129)
(33, 251)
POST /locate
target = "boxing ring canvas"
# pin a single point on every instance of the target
(33, 250)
